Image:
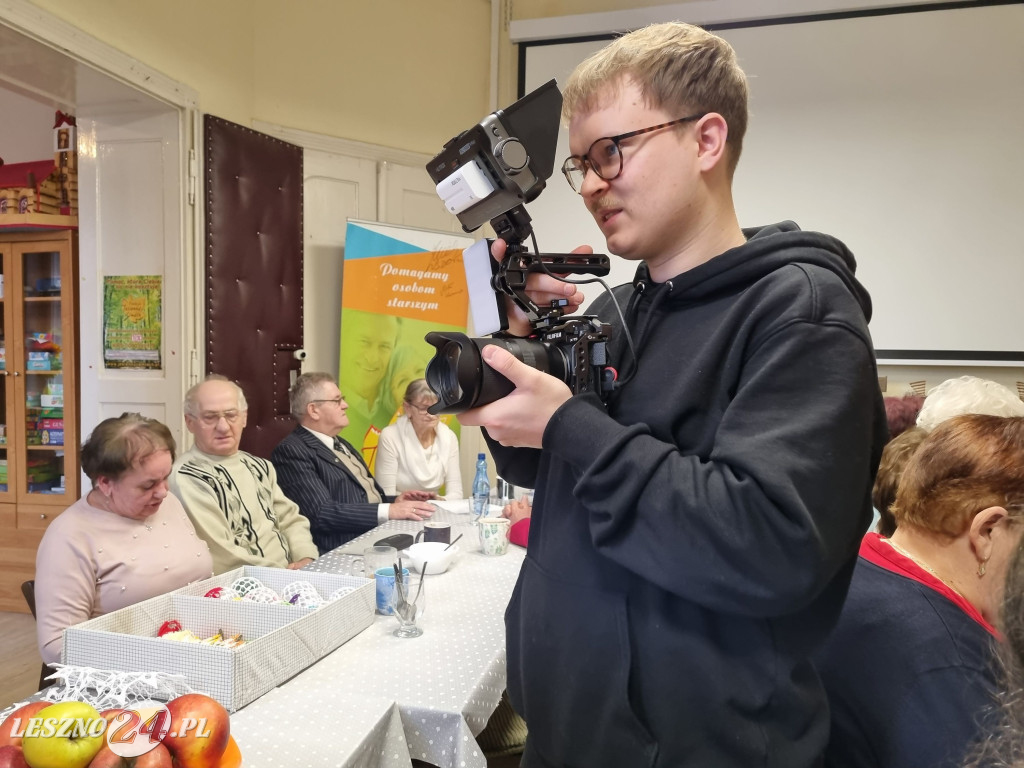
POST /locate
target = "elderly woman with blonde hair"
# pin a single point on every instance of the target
(418, 452)
(909, 667)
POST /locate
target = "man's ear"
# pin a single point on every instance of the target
(712, 132)
(983, 526)
(190, 423)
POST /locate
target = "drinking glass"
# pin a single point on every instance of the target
(408, 602)
(377, 556)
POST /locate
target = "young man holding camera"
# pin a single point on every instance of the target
(693, 537)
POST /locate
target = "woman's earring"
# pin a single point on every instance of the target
(981, 568)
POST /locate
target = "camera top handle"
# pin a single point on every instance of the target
(513, 227)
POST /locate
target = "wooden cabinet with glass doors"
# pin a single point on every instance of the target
(39, 471)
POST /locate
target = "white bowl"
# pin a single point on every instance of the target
(433, 553)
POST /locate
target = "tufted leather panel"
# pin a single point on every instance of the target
(254, 271)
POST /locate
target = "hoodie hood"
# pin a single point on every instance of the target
(767, 249)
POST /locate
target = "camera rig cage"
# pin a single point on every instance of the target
(487, 174)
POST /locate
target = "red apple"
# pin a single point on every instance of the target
(12, 757)
(111, 714)
(199, 732)
(22, 714)
(158, 757)
(106, 759)
(115, 720)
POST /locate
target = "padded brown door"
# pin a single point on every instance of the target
(254, 271)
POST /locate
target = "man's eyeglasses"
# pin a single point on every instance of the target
(420, 408)
(212, 418)
(336, 400)
(605, 156)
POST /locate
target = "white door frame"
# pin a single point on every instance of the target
(32, 21)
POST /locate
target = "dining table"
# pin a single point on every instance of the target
(380, 700)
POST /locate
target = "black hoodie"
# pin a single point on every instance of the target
(692, 539)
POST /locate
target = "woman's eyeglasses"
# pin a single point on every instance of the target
(422, 409)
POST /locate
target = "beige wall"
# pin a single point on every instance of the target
(519, 10)
(397, 73)
(542, 9)
(207, 46)
(400, 73)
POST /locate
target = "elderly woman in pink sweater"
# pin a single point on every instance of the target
(126, 540)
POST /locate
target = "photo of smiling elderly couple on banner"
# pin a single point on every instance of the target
(400, 283)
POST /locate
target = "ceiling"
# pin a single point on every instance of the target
(50, 76)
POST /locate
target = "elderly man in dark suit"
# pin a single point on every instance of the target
(327, 477)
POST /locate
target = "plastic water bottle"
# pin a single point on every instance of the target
(481, 488)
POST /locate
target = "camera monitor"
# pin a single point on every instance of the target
(502, 162)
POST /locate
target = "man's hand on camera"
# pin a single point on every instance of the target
(410, 510)
(519, 418)
(542, 289)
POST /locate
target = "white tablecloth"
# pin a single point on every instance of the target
(445, 684)
(287, 727)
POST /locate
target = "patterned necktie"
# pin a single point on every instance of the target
(358, 471)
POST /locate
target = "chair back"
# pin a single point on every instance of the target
(28, 589)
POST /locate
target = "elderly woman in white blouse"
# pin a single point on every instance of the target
(418, 452)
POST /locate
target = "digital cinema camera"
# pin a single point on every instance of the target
(486, 174)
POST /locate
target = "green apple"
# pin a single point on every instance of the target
(65, 735)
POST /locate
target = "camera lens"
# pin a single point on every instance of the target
(446, 374)
(458, 375)
(462, 380)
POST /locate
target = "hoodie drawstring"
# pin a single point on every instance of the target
(633, 312)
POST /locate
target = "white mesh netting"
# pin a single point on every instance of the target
(105, 689)
(245, 585)
(262, 595)
(302, 594)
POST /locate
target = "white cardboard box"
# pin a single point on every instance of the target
(281, 640)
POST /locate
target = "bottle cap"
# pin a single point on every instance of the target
(479, 456)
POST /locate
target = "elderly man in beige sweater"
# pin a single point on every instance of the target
(231, 496)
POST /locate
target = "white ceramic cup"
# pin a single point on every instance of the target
(494, 535)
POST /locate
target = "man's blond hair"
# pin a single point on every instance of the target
(678, 67)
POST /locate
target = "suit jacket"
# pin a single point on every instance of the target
(311, 475)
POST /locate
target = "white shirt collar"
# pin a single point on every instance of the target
(325, 439)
